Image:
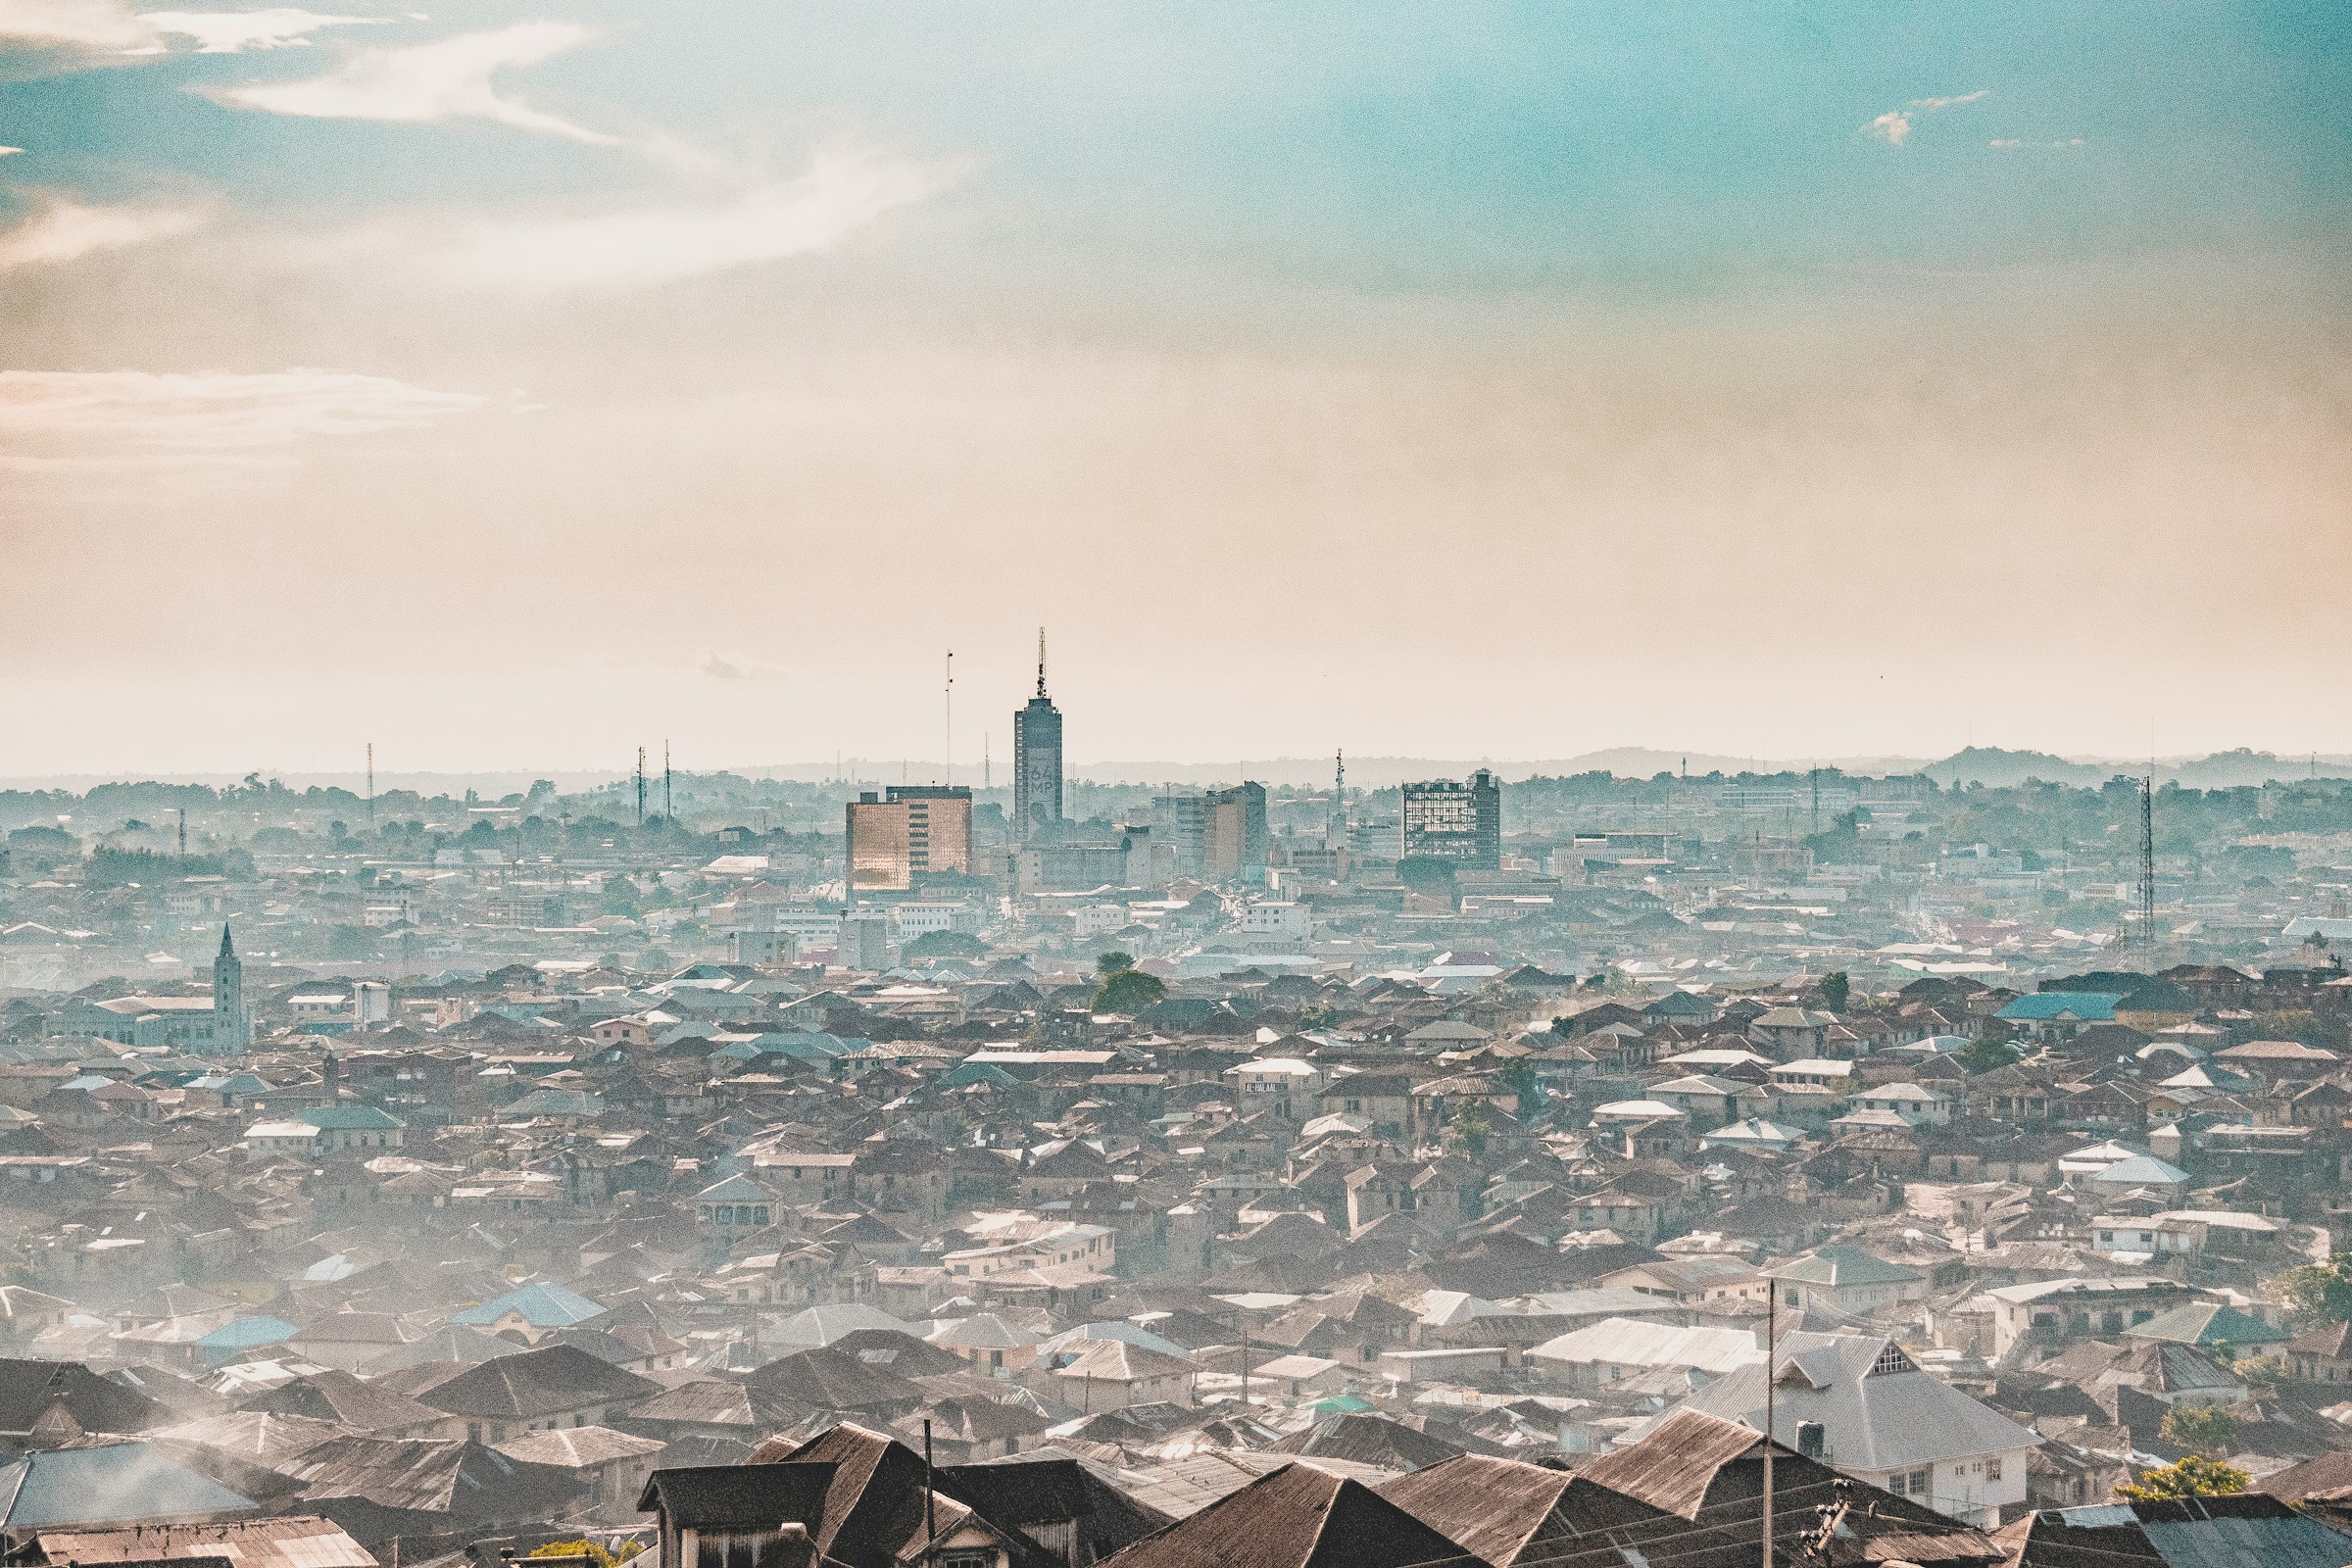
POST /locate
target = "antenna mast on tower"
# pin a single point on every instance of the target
(949, 776)
(2147, 860)
(641, 786)
(1040, 661)
(667, 813)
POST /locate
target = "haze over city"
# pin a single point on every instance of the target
(1134, 785)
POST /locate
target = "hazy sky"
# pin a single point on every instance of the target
(511, 384)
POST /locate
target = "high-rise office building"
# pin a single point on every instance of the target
(1036, 759)
(1233, 833)
(1176, 815)
(911, 831)
(1449, 820)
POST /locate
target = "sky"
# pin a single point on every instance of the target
(511, 385)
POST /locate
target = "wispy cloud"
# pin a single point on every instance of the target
(142, 419)
(841, 193)
(64, 230)
(229, 33)
(447, 80)
(2009, 142)
(1895, 126)
(98, 26)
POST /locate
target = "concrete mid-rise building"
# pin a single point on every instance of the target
(907, 832)
(1449, 820)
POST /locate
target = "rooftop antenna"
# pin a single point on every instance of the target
(948, 777)
(641, 786)
(370, 796)
(1040, 661)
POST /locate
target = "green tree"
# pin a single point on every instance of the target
(946, 945)
(2193, 1477)
(1984, 1056)
(1128, 991)
(1113, 962)
(1835, 990)
(2205, 1429)
(2320, 1293)
(1468, 1130)
(1519, 1077)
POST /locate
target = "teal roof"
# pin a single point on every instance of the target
(120, 1484)
(1845, 1265)
(352, 1119)
(2207, 1323)
(244, 1332)
(2092, 1007)
(735, 1190)
(554, 1102)
(2142, 1170)
(543, 1306)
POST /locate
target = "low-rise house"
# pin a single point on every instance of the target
(1858, 1404)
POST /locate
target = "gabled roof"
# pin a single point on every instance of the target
(1298, 1516)
(1880, 1411)
(534, 1383)
(1845, 1265)
(544, 1304)
(2207, 1323)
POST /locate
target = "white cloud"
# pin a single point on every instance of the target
(96, 26)
(1895, 126)
(2009, 142)
(140, 418)
(841, 193)
(228, 32)
(64, 230)
(10, 152)
(449, 80)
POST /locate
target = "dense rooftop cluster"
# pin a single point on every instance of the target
(365, 1190)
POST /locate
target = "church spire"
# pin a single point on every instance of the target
(228, 949)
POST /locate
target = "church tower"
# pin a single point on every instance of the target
(232, 1025)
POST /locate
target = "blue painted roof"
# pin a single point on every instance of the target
(544, 1305)
(244, 1332)
(2096, 1006)
(122, 1482)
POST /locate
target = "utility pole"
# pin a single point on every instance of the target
(930, 1513)
(1772, 1378)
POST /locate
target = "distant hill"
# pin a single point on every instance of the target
(1998, 768)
